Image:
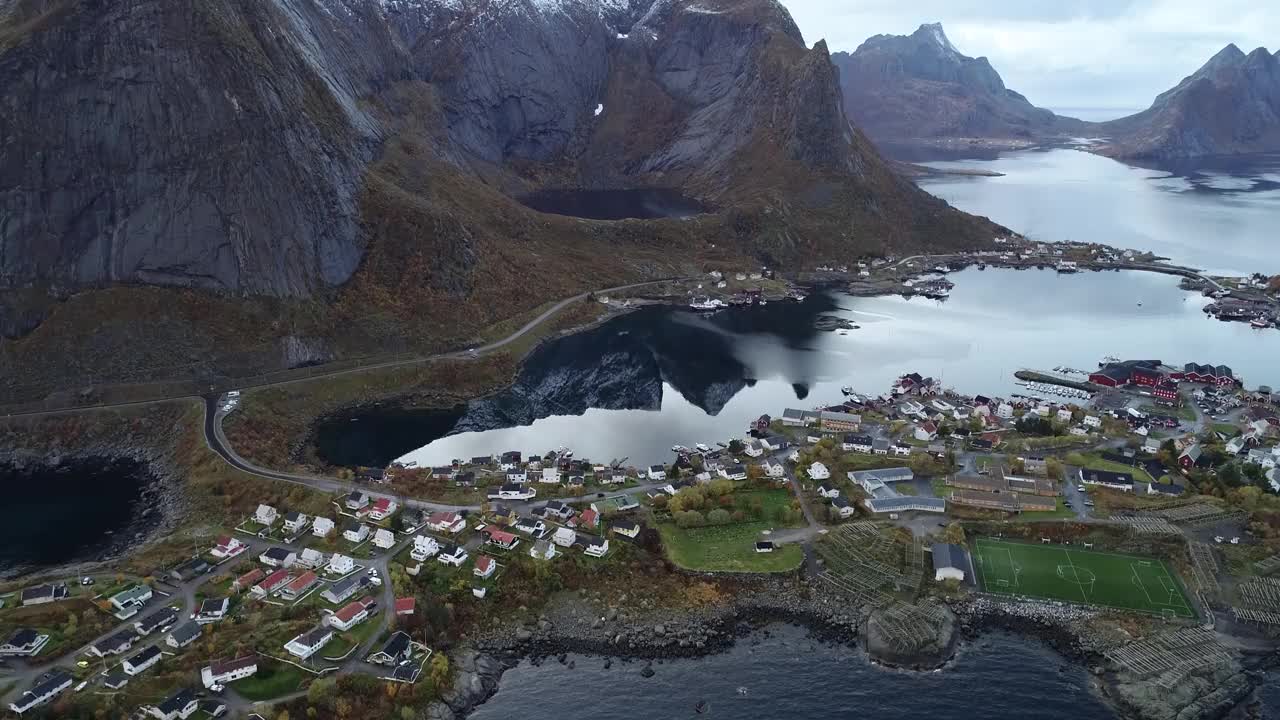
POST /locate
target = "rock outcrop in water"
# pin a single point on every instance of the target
(357, 159)
(1230, 106)
(907, 88)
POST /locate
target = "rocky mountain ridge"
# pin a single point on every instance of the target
(904, 88)
(346, 170)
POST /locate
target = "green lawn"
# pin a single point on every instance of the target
(1182, 413)
(1094, 462)
(770, 501)
(1066, 573)
(726, 548)
(1226, 429)
(272, 680)
(343, 642)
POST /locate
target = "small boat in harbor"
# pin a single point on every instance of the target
(1260, 323)
(702, 448)
(679, 449)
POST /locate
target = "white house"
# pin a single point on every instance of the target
(278, 557)
(596, 547)
(828, 491)
(949, 562)
(564, 537)
(178, 706)
(542, 550)
(24, 642)
(1235, 445)
(485, 567)
(818, 471)
(1092, 421)
(322, 527)
(753, 449)
(657, 473)
(1079, 431)
(857, 443)
(424, 546)
(295, 521)
(513, 491)
(46, 687)
(227, 547)
(340, 564)
(772, 468)
(901, 449)
(266, 515)
(382, 509)
(355, 532)
(926, 432)
(733, 472)
(773, 443)
(518, 475)
(212, 610)
(1004, 410)
(309, 643)
(131, 597)
(446, 522)
(453, 555)
(383, 538)
(356, 500)
(1064, 414)
(351, 615)
(142, 660)
(311, 558)
(550, 476)
(843, 507)
(228, 672)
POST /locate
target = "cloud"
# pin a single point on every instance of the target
(1064, 53)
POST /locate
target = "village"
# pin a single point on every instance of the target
(1135, 444)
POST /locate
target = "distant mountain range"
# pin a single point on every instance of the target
(919, 88)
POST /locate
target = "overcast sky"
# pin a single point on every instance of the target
(1063, 53)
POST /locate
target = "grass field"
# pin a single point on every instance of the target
(1059, 572)
(1094, 462)
(272, 680)
(726, 548)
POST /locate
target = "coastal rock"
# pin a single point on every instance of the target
(1207, 693)
(647, 671)
(476, 681)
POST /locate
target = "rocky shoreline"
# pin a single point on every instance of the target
(576, 625)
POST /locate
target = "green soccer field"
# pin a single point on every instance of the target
(1070, 574)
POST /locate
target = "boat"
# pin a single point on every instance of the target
(1260, 322)
(843, 332)
(702, 447)
(679, 449)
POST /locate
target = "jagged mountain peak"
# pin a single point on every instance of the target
(934, 33)
(1229, 55)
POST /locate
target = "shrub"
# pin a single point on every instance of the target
(718, 517)
(689, 519)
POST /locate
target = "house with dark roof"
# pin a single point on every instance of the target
(396, 650)
(46, 687)
(178, 706)
(950, 562)
(183, 635)
(140, 661)
(41, 594)
(1105, 478)
(115, 644)
(23, 642)
(158, 619)
(221, 673)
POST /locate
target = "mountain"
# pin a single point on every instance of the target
(196, 190)
(919, 87)
(1229, 106)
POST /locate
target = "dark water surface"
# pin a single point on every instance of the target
(78, 510)
(787, 675)
(649, 203)
(663, 376)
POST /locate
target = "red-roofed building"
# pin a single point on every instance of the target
(351, 614)
(247, 580)
(503, 539)
(273, 582)
(381, 509)
(446, 522)
(300, 585)
(405, 606)
(588, 519)
(485, 566)
(227, 547)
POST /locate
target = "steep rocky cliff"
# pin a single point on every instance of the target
(904, 88)
(1230, 106)
(344, 170)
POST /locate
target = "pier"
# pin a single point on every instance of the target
(1042, 377)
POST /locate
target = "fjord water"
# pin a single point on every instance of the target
(1219, 215)
(77, 510)
(787, 675)
(643, 382)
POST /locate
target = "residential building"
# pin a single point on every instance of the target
(183, 635)
(130, 597)
(159, 619)
(1005, 411)
(530, 525)
(904, 503)
(300, 586)
(342, 590)
(828, 491)
(657, 473)
(626, 528)
(322, 527)
(774, 443)
(1190, 456)
(550, 476)
(46, 687)
(1064, 415)
(1159, 488)
(880, 446)
(384, 538)
(351, 614)
(295, 522)
(950, 562)
(311, 558)
(355, 532)
(1092, 421)
(381, 509)
(266, 515)
(116, 644)
(453, 555)
(510, 460)
(564, 537)
(278, 557)
(398, 648)
(227, 547)
(733, 472)
(271, 583)
(229, 671)
(774, 469)
(485, 567)
(901, 449)
(142, 660)
(842, 507)
(41, 594)
(818, 471)
(189, 570)
(596, 546)
(1104, 478)
(179, 706)
(212, 610)
(830, 421)
(23, 642)
(115, 680)
(309, 642)
(446, 522)
(587, 519)
(424, 546)
(513, 491)
(340, 564)
(792, 417)
(926, 432)
(502, 539)
(542, 550)
(357, 500)
(558, 509)
(857, 443)
(404, 606)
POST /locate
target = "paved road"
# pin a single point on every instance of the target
(317, 374)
